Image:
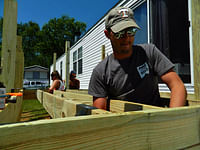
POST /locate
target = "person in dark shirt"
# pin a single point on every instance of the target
(131, 72)
(73, 82)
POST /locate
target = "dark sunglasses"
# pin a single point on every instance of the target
(128, 31)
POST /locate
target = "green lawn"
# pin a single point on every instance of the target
(32, 109)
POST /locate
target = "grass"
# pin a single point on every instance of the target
(32, 109)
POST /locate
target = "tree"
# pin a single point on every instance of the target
(57, 31)
(39, 45)
(30, 33)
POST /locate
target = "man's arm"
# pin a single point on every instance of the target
(100, 102)
(178, 91)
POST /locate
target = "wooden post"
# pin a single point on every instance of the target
(102, 52)
(19, 65)
(67, 54)
(54, 61)
(9, 40)
(196, 45)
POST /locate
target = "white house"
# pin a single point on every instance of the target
(36, 77)
(165, 23)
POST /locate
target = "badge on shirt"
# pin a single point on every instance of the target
(143, 70)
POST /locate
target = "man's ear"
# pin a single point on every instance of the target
(107, 33)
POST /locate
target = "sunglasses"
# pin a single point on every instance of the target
(128, 32)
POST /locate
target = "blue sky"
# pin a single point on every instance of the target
(40, 11)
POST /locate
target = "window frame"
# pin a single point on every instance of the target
(78, 60)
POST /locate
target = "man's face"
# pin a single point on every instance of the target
(122, 43)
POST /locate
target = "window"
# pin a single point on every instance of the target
(166, 24)
(140, 14)
(36, 75)
(77, 61)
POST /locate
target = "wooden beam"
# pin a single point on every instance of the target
(59, 107)
(9, 42)
(19, 65)
(82, 98)
(102, 52)
(54, 61)
(117, 106)
(196, 45)
(80, 91)
(12, 112)
(67, 55)
(39, 95)
(166, 129)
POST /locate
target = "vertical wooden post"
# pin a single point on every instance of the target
(102, 52)
(67, 54)
(54, 61)
(9, 40)
(196, 45)
(19, 65)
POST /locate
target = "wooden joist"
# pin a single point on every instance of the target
(59, 106)
(75, 96)
(166, 129)
(124, 106)
(12, 112)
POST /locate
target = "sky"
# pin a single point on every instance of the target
(41, 11)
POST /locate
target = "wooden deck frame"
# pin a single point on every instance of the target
(59, 106)
(175, 128)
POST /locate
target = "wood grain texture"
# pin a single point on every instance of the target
(9, 42)
(12, 112)
(19, 65)
(39, 95)
(196, 45)
(75, 96)
(59, 107)
(124, 106)
(166, 129)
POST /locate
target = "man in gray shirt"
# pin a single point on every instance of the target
(131, 72)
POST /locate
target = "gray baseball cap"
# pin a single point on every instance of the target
(119, 19)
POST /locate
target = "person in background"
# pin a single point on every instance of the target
(58, 83)
(131, 72)
(73, 82)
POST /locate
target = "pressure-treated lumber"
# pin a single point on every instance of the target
(83, 98)
(9, 42)
(12, 112)
(19, 65)
(67, 56)
(124, 106)
(196, 45)
(166, 129)
(80, 91)
(115, 105)
(39, 95)
(59, 107)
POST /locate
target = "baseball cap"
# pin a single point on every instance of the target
(119, 19)
(73, 73)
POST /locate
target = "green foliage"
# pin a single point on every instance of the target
(39, 45)
(56, 32)
(30, 38)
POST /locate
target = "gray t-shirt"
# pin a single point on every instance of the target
(133, 79)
